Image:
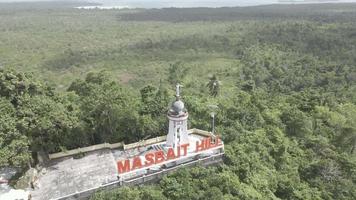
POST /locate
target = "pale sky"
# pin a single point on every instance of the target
(184, 3)
(166, 1)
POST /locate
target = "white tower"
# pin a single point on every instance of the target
(178, 122)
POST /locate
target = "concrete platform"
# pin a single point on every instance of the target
(70, 175)
(78, 176)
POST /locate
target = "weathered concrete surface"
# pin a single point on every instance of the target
(71, 178)
(68, 175)
(6, 191)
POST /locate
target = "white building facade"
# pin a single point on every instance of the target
(178, 122)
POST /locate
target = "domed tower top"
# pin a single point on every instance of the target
(177, 108)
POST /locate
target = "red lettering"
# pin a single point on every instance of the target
(170, 154)
(122, 168)
(178, 151)
(159, 157)
(218, 141)
(208, 143)
(200, 147)
(149, 159)
(185, 148)
(136, 163)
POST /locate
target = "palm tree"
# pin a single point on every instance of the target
(214, 86)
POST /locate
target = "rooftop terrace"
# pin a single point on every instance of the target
(78, 173)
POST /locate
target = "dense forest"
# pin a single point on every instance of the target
(285, 87)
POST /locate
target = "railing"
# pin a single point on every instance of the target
(85, 149)
(121, 144)
(145, 142)
(200, 132)
(213, 159)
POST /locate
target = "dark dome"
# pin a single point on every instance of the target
(178, 106)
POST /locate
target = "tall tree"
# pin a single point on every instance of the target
(176, 72)
(214, 85)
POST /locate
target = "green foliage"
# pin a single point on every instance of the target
(286, 110)
(148, 193)
(14, 145)
(176, 72)
(154, 101)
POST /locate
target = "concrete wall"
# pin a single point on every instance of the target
(121, 145)
(154, 177)
(144, 142)
(85, 149)
(106, 146)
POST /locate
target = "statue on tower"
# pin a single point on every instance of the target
(177, 107)
(178, 86)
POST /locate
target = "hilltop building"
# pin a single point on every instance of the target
(76, 174)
